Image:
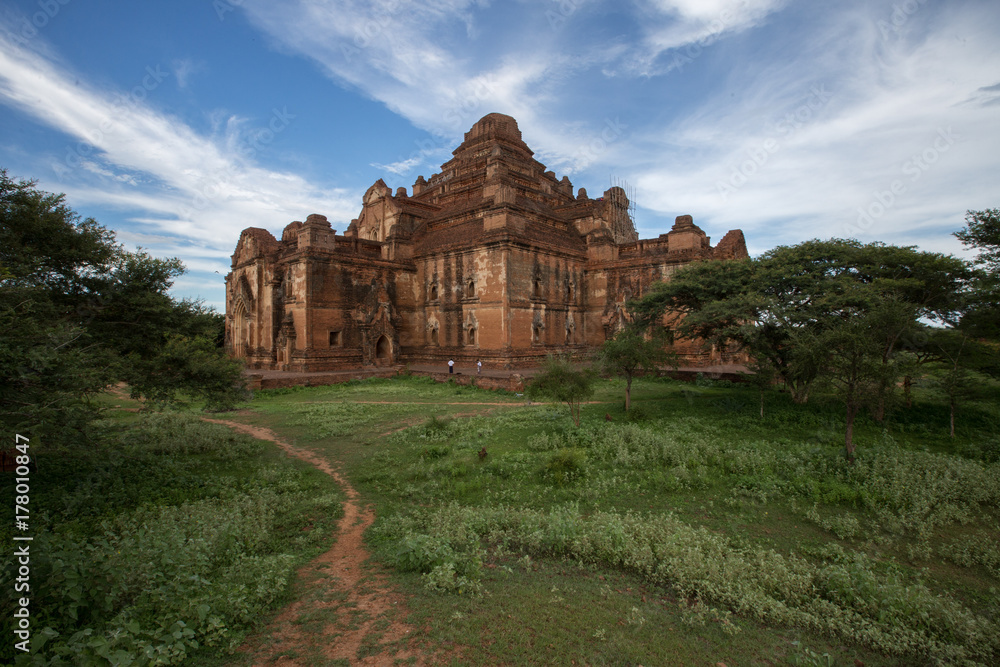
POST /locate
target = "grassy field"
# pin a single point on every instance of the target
(162, 541)
(690, 532)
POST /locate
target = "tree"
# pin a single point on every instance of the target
(78, 311)
(762, 375)
(957, 361)
(561, 382)
(187, 367)
(631, 351)
(773, 305)
(983, 233)
(853, 357)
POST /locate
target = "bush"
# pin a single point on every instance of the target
(852, 598)
(565, 466)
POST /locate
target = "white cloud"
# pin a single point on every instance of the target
(786, 164)
(122, 152)
(838, 106)
(402, 167)
(688, 26)
(407, 55)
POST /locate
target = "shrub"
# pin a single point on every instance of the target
(852, 598)
(565, 466)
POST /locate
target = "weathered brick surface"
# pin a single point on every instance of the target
(492, 258)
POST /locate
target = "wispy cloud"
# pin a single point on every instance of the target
(788, 120)
(875, 144)
(402, 167)
(692, 25)
(123, 152)
(183, 69)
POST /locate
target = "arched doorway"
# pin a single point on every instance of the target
(383, 351)
(241, 331)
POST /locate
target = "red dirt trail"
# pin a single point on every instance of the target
(354, 604)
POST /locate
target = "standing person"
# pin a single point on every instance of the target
(479, 367)
(451, 365)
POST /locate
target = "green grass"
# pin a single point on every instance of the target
(690, 531)
(164, 540)
(876, 543)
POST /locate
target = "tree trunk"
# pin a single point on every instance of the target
(762, 403)
(852, 411)
(800, 394)
(628, 392)
(952, 417)
(880, 409)
(907, 384)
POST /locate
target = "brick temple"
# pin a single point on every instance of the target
(492, 258)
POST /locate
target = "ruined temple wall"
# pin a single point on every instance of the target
(632, 276)
(328, 306)
(547, 303)
(332, 339)
(595, 304)
(458, 292)
(255, 328)
(549, 273)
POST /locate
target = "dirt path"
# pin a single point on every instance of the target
(512, 404)
(344, 611)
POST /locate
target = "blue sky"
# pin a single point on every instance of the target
(179, 123)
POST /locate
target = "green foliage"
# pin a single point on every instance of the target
(851, 598)
(80, 312)
(890, 553)
(560, 381)
(803, 655)
(45, 244)
(856, 354)
(162, 540)
(188, 367)
(774, 305)
(445, 567)
(982, 232)
(565, 466)
(630, 351)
